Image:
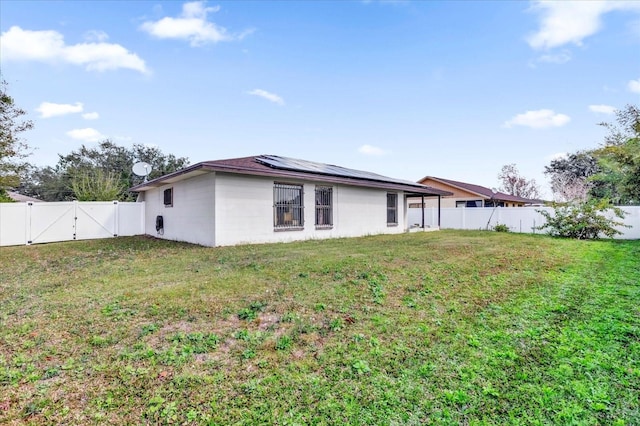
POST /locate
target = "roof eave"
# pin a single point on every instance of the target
(201, 168)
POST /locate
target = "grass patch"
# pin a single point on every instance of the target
(438, 328)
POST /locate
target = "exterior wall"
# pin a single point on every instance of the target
(446, 202)
(244, 211)
(458, 195)
(191, 218)
(450, 202)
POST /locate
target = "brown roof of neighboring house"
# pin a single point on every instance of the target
(21, 198)
(283, 167)
(481, 190)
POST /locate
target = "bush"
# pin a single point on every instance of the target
(583, 221)
(4, 197)
(501, 227)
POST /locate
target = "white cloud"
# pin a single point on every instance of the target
(267, 95)
(96, 35)
(602, 109)
(91, 116)
(49, 46)
(49, 109)
(191, 25)
(88, 135)
(539, 119)
(565, 22)
(371, 150)
(634, 86)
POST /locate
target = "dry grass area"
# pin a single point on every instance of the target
(449, 327)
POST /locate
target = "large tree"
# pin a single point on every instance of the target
(13, 148)
(571, 176)
(513, 183)
(619, 157)
(107, 165)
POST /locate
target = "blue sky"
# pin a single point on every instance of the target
(404, 89)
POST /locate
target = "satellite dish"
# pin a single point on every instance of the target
(142, 169)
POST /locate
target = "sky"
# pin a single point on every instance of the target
(452, 89)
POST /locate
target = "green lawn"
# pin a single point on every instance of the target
(449, 327)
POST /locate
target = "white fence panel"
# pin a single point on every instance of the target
(518, 219)
(34, 223)
(13, 224)
(51, 222)
(632, 219)
(130, 219)
(95, 220)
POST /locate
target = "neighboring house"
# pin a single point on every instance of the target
(469, 195)
(270, 199)
(22, 198)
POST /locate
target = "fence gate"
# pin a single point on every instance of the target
(50, 222)
(35, 223)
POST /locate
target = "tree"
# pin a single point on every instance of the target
(97, 186)
(12, 147)
(46, 184)
(571, 176)
(619, 158)
(515, 184)
(106, 162)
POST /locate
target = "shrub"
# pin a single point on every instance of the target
(501, 227)
(585, 220)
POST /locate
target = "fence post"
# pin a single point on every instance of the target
(75, 219)
(27, 219)
(116, 220)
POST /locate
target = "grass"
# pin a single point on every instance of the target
(452, 327)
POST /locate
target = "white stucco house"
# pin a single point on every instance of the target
(269, 198)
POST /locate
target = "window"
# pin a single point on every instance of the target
(491, 203)
(392, 209)
(469, 203)
(324, 207)
(288, 209)
(168, 197)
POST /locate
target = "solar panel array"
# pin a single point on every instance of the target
(293, 164)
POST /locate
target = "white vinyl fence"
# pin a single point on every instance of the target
(35, 223)
(518, 219)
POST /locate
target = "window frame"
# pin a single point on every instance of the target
(323, 207)
(466, 204)
(288, 215)
(392, 210)
(170, 197)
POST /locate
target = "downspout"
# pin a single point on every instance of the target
(439, 196)
(423, 211)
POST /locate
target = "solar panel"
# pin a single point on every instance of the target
(285, 163)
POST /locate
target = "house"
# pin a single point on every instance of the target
(469, 195)
(19, 198)
(269, 198)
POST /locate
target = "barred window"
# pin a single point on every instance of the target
(392, 209)
(288, 208)
(324, 206)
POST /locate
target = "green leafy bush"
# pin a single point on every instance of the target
(501, 227)
(583, 221)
